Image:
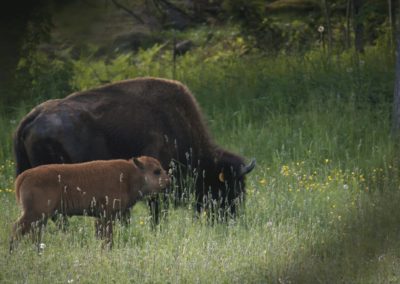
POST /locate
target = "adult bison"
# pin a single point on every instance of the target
(145, 116)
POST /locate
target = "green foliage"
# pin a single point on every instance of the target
(284, 81)
(291, 25)
(35, 27)
(321, 203)
(40, 78)
(272, 33)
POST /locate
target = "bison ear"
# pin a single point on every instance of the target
(221, 177)
(246, 169)
(138, 163)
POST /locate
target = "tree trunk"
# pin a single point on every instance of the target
(11, 33)
(326, 12)
(392, 5)
(348, 17)
(396, 97)
(358, 25)
(130, 12)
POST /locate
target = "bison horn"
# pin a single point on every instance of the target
(246, 169)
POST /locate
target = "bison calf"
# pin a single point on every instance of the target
(102, 189)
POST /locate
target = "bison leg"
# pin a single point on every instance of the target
(154, 205)
(158, 206)
(125, 218)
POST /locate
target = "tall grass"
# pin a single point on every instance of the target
(321, 204)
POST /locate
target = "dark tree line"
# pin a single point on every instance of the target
(14, 19)
(25, 23)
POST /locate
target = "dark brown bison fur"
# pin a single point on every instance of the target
(102, 189)
(144, 116)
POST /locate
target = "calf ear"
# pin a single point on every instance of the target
(138, 163)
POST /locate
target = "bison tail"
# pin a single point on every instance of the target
(22, 162)
(21, 158)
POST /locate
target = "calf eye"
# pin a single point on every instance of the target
(157, 172)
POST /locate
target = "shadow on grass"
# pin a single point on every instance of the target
(367, 249)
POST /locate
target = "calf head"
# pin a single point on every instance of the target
(155, 177)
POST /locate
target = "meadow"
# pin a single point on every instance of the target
(321, 205)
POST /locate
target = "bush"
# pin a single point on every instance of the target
(41, 77)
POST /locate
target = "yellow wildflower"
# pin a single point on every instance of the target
(285, 170)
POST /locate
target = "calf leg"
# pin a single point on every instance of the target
(61, 221)
(109, 233)
(27, 223)
(99, 228)
(104, 230)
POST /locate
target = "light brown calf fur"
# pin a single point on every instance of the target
(102, 189)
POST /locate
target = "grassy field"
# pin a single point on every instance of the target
(322, 203)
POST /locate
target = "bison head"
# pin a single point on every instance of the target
(226, 182)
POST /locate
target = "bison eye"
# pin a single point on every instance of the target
(157, 172)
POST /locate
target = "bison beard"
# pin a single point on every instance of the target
(144, 116)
